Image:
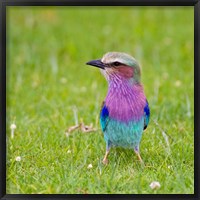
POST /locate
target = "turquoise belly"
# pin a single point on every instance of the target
(127, 135)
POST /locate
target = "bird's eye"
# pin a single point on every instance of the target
(116, 63)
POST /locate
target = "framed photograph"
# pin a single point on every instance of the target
(99, 100)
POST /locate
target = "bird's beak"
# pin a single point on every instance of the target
(96, 63)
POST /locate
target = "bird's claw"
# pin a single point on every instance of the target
(105, 161)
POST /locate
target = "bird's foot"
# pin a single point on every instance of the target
(140, 159)
(142, 163)
(105, 161)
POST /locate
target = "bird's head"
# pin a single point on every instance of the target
(118, 64)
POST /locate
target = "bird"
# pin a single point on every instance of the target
(125, 112)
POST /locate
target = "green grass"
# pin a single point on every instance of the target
(47, 49)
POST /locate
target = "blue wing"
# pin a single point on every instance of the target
(146, 115)
(104, 116)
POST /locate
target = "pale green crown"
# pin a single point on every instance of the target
(120, 57)
(125, 59)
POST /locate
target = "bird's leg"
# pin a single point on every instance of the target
(136, 149)
(139, 157)
(105, 159)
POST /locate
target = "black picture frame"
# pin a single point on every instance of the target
(6, 3)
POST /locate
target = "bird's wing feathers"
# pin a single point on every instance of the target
(104, 116)
(146, 115)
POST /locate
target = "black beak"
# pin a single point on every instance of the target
(96, 63)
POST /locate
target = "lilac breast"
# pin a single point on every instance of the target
(125, 101)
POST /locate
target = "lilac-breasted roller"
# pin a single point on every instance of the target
(125, 111)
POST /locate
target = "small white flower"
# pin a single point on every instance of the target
(154, 185)
(69, 151)
(18, 158)
(12, 127)
(178, 83)
(90, 166)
